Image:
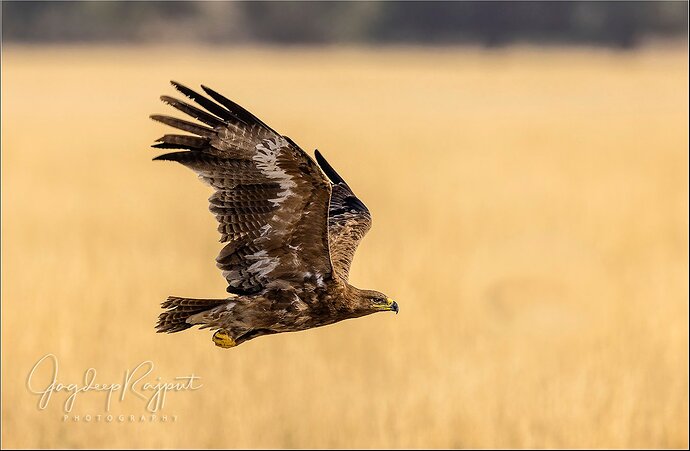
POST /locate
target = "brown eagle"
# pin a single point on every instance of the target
(291, 227)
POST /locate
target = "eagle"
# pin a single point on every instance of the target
(291, 225)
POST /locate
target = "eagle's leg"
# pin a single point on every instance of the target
(222, 339)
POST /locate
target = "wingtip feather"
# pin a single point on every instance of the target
(161, 158)
(173, 156)
(328, 169)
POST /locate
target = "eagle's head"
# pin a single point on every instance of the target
(379, 302)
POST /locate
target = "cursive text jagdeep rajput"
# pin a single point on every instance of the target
(136, 381)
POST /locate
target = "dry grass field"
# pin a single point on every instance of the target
(530, 217)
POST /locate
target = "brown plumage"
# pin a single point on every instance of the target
(292, 227)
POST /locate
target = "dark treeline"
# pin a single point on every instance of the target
(621, 24)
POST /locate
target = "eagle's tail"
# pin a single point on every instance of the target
(177, 310)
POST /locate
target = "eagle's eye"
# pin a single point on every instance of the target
(384, 303)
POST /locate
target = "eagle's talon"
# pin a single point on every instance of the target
(223, 340)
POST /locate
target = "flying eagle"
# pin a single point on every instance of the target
(291, 224)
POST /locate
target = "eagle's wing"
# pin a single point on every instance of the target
(270, 198)
(348, 220)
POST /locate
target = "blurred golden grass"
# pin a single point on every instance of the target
(530, 216)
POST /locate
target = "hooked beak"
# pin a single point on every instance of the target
(394, 306)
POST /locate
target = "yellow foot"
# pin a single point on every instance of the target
(222, 339)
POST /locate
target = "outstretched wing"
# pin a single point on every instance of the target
(270, 198)
(348, 220)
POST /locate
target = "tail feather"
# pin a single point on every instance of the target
(178, 310)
